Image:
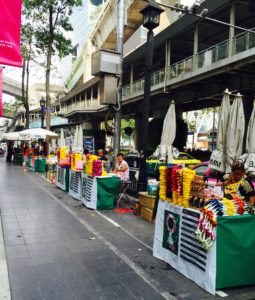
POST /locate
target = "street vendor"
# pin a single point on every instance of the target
(238, 185)
(121, 168)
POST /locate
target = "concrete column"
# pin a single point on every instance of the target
(131, 78)
(167, 58)
(195, 48)
(248, 103)
(138, 130)
(231, 29)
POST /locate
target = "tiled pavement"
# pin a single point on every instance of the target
(57, 249)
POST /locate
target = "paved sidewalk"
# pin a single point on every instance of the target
(57, 249)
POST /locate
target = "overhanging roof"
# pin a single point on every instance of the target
(80, 89)
(175, 29)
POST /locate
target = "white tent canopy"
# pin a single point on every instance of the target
(165, 149)
(235, 131)
(218, 157)
(37, 133)
(75, 140)
(11, 136)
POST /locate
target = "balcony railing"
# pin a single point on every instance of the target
(240, 43)
(80, 105)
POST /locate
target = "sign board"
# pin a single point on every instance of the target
(52, 109)
(89, 143)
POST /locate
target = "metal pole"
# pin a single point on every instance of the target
(213, 128)
(145, 111)
(42, 119)
(119, 48)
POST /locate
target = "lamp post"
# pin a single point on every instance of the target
(151, 18)
(42, 104)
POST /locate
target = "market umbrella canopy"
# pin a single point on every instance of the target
(11, 136)
(37, 133)
(218, 157)
(250, 145)
(165, 149)
(235, 132)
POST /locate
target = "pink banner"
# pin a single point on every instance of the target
(10, 20)
(1, 92)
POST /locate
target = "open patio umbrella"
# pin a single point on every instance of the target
(235, 132)
(62, 138)
(218, 157)
(250, 145)
(165, 149)
(11, 136)
(37, 133)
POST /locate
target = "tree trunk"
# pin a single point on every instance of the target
(26, 104)
(48, 69)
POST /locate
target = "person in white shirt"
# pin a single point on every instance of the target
(121, 168)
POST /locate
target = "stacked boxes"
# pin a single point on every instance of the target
(148, 206)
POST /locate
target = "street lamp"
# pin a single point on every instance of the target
(151, 18)
(42, 104)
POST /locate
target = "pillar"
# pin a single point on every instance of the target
(138, 130)
(231, 29)
(195, 48)
(167, 59)
(248, 103)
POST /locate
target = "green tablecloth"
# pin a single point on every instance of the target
(40, 165)
(107, 192)
(235, 251)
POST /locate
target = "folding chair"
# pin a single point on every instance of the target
(123, 191)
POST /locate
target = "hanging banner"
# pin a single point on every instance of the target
(10, 20)
(1, 92)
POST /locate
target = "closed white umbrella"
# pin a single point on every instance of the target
(218, 157)
(37, 133)
(62, 138)
(250, 145)
(168, 135)
(235, 132)
(75, 141)
(11, 136)
(80, 139)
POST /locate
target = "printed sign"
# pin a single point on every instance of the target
(89, 143)
(10, 20)
(171, 231)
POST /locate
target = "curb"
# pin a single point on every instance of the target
(5, 293)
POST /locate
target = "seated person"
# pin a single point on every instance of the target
(101, 155)
(121, 168)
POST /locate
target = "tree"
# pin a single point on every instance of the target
(52, 18)
(27, 37)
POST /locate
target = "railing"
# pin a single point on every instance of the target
(81, 105)
(240, 43)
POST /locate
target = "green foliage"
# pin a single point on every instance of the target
(11, 108)
(59, 11)
(125, 123)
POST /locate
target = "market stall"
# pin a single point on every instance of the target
(201, 233)
(100, 192)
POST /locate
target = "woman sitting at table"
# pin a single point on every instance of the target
(121, 168)
(237, 184)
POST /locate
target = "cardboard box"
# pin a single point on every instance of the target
(147, 200)
(147, 214)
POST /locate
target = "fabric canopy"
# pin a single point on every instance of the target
(62, 138)
(75, 140)
(165, 148)
(250, 145)
(37, 133)
(235, 132)
(11, 136)
(218, 157)
(80, 139)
